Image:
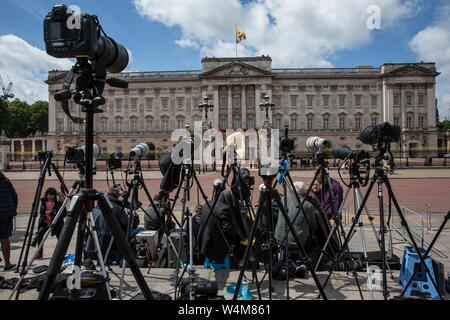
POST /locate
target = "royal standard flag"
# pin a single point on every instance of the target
(240, 35)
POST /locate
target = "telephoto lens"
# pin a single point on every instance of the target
(140, 150)
(342, 152)
(369, 135)
(317, 144)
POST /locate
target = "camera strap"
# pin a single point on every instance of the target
(65, 98)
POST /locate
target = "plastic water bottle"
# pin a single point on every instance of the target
(246, 295)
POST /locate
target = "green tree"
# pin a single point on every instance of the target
(4, 112)
(39, 117)
(19, 120)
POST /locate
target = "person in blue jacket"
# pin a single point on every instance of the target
(8, 210)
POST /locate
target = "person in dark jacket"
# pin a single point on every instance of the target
(8, 210)
(50, 206)
(211, 242)
(321, 190)
(102, 228)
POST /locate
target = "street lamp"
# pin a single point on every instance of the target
(207, 107)
(266, 106)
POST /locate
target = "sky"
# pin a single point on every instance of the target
(168, 35)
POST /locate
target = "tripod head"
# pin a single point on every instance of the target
(91, 77)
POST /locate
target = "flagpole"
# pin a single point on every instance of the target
(235, 37)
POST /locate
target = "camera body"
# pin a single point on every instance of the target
(383, 133)
(286, 143)
(246, 179)
(268, 173)
(114, 160)
(75, 155)
(64, 42)
(76, 35)
(202, 291)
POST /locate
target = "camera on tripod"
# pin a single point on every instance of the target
(383, 133)
(42, 156)
(317, 144)
(268, 173)
(286, 143)
(344, 152)
(81, 38)
(114, 160)
(202, 291)
(76, 155)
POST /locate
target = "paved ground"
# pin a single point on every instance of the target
(427, 186)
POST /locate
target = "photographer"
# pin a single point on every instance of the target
(226, 215)
(321, 190)
(300, 225)
(102, 228)
(50, 206)
(151, 219)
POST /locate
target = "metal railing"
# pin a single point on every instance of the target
(426, 217)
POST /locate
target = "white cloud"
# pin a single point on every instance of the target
(27, 67)
(295, 33)
(432, 45)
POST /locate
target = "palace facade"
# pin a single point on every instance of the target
(334, 103)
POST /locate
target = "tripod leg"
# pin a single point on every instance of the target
(331, 234)
(300, 246)
(122, 243)
(34, 212)
(430, 247)
(405, 224)
(94, 235)
(25, 271)
(63, 243)
(350, 232)
(363, 238)
(370, 218)
(244, 262)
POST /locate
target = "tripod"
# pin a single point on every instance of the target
(265, 208)
(286, 179)
(355, 182)
(90, 77)
(133, 192)
(380, 177)
(48, 165)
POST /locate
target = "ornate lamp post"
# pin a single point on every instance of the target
(266, 106)
(207, 107)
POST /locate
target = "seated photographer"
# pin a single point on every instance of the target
(323, 228)
(50, 205)
(102, 228)
(226, 216)
(323, 193)
(300, 226)
(151, 219)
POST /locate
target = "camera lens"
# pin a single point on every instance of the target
(342, 152)
(113, 55)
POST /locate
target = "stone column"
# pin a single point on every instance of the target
(402, 106)
(230, 107)
(33, 146)
(257, 110)
(244, 107)
(215, 116)
(431, 105)
(22, 150)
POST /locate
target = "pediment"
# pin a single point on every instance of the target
(412, 70)
(236, 69)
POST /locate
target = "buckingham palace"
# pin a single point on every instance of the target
(333, 103)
